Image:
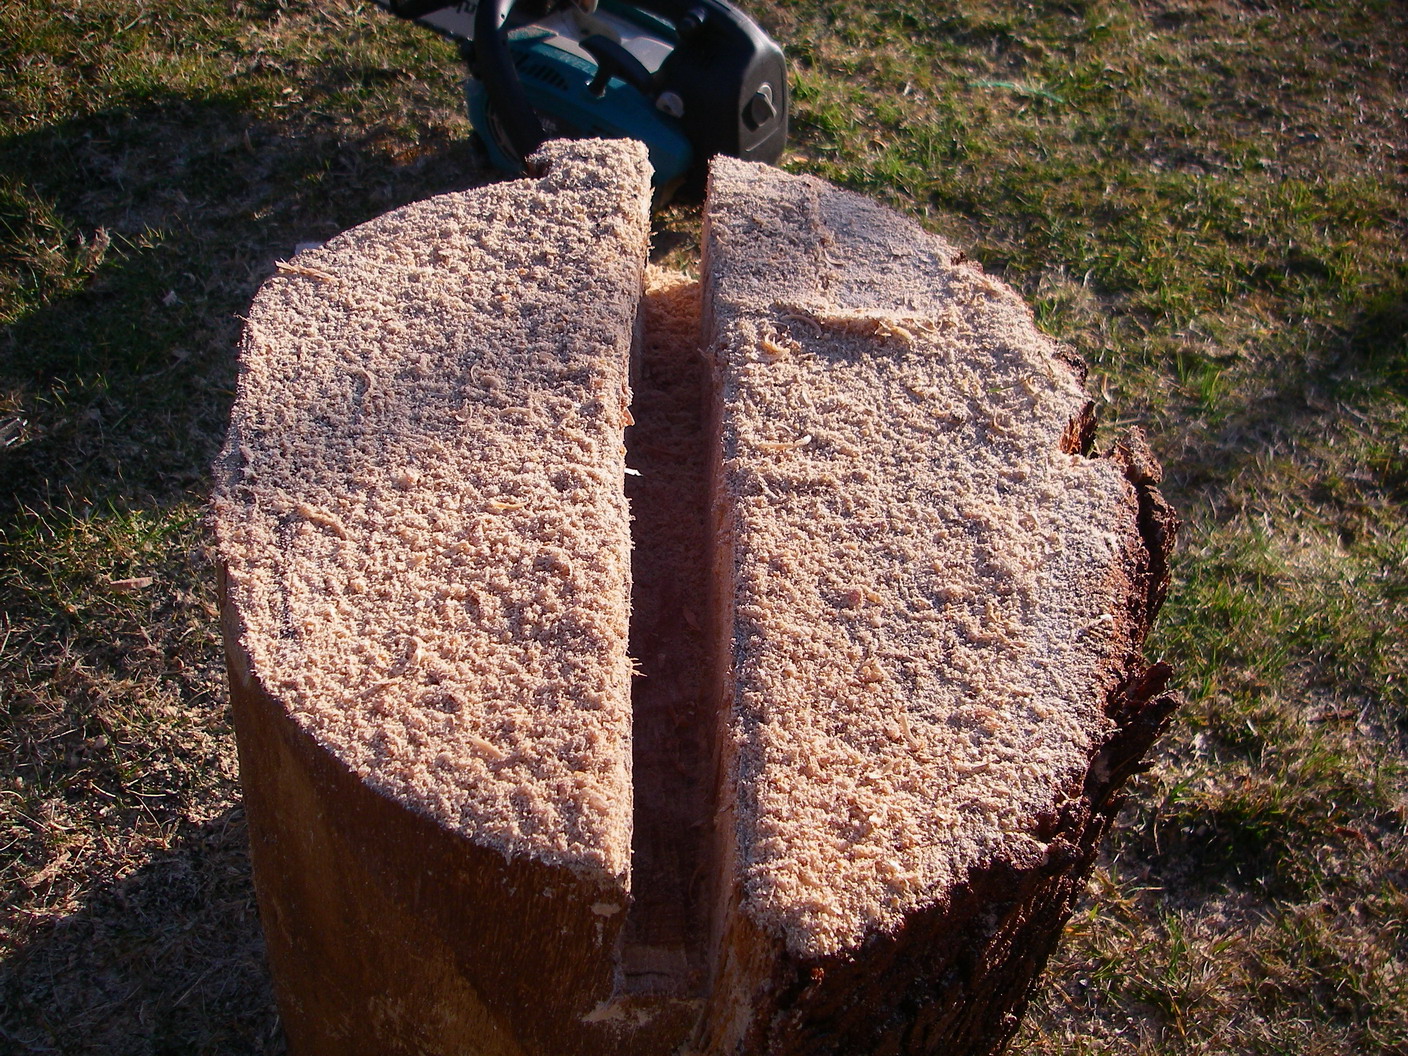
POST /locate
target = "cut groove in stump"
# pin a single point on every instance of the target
(837, 791)
(664, 944)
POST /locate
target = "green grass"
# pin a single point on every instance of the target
(1207, 199)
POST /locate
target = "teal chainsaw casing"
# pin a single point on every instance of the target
(557, 82)
(688, 78)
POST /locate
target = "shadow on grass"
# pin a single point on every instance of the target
(131, 240)
(166, 961)
(137, 236)
(1329, 389)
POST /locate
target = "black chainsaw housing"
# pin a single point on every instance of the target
(723, 83)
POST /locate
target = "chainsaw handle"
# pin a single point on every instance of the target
(731, 77)
(688, 16)
(612, 60)
(494, 66)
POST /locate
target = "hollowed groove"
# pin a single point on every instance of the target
(662, 947)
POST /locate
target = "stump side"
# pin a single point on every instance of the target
(386, 933)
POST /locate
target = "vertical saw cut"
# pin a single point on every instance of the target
(932, 605)
(775, 708)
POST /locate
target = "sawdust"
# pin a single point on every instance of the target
(929, 595)
(420, 502)
(923, 595)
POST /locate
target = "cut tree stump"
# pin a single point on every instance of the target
(933, 604)
(786, 721)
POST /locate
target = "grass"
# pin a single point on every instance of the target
(1206, 198)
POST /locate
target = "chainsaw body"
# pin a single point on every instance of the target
(689, 78)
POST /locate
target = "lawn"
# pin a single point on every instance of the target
(1207, 199)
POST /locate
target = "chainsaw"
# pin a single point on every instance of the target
(689, 78)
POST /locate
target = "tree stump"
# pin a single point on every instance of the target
(933, 604)
(813, 757)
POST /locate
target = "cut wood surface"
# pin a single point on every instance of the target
(785, 721)
(933, 608)
(426, 550)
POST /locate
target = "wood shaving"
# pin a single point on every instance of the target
(285, 268)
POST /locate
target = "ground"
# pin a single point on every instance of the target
(1205, 199)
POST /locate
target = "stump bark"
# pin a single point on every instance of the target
(813, 757)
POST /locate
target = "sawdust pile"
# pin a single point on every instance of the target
(420, 503)
(930, 589)
(923, 588)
